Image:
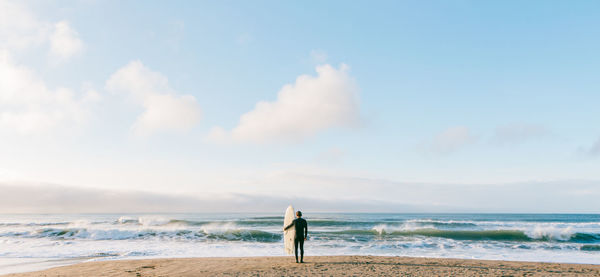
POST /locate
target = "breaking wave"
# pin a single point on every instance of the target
(498, 235)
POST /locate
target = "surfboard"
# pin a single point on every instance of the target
(289, 234)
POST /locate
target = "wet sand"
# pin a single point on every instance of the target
(317, 266)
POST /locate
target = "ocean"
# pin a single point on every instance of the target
(36, 241)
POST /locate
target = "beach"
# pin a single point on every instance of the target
(317, 266)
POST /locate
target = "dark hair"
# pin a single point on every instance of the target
(298, 213)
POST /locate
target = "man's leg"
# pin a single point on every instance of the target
(301, 250)
(296, 241)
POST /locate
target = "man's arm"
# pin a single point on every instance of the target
(287, 227)
(306, 229)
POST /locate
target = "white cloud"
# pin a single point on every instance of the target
(19, 28)
(218, 135)
(518, 133)
(64, 42)
(165, 110)
(302, 109)
(28, 106)
(452, 139)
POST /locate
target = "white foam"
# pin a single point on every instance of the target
(153, 220)
(126, 219)
(550, 232)
(408, 226)
(218, 227)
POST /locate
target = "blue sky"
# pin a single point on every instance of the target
(452, 93)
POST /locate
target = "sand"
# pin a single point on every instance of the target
(317, 266)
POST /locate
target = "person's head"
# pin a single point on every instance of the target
(298, 214)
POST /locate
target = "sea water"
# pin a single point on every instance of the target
(30, 242)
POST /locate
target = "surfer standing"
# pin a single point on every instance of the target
(301, 234)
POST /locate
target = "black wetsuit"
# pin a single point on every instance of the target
(301, 232)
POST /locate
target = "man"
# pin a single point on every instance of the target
(301, 234)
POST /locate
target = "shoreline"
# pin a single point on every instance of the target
(24, 265)
(315, 265)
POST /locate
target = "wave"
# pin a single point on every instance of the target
(277, 220)
(12, 224)
(338, 223)
(246, 235)
(127, 220)
(550, 233)
(501, 235)
(441, 223)
(585, 237)
(409, 224)
(225, 234)
(231, 232)
(590, 247)
(267, 229)
(268, 217)
(511, 235)
(496, 235)
(535, 230)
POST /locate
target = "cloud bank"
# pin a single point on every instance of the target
(164, 109)
(36, 198)
(555, 196)
(302, 109)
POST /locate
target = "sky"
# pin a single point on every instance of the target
(445, 106)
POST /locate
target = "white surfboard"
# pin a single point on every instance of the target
(289, 234)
